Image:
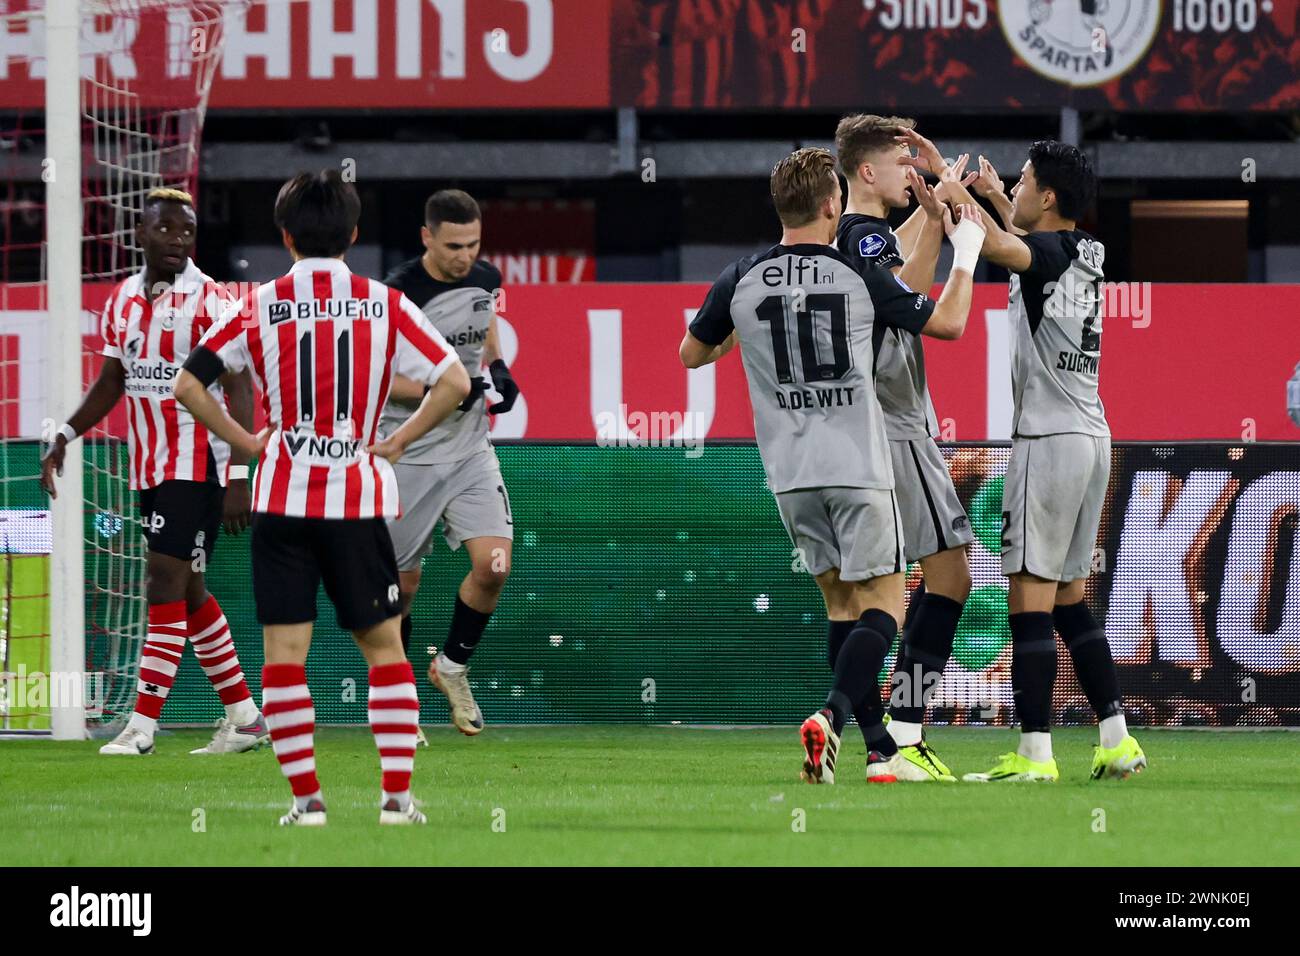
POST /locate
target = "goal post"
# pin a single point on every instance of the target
(104, 101)
(63, 220)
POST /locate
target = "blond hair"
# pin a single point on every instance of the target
(167, 194)
(800, 183)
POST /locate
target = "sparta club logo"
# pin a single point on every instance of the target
(1080, 42)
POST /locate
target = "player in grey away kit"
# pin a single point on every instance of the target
(874, 156)
(805, 315)
(452, 474)
(1060, 459)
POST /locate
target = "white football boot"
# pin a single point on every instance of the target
(313, 816)
(131, 742)
(231, 738)
(820, 746)
(465, 715)
(392, 815)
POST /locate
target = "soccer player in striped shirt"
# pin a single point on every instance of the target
(323, 345)
(189, 481)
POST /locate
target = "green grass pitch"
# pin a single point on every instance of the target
(653, 795)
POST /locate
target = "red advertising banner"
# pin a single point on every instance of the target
(924, 54)
(706, 54)
(599, 362)
(348, 54)
(1184, 362)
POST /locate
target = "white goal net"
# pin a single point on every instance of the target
(97, 110)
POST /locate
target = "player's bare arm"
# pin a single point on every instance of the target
(911, 228)
(105, 393)
(1004, 249)
(988, 185)
(440, 401)
(948, 321)
(695, 353)
(492, 344)
(191, 393)
(918, 271)
(927, 159)
(410, 393)
(406, 391)
(237, 506)
(952, 179)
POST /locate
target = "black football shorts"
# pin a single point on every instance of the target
(182, 518)
(354, 559)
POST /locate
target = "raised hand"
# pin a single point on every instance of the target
(986, 181)
(965, 213)
(926, 196)
(927, 158)
(952, 175)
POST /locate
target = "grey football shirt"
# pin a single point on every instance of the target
(900, 358)
(462, 312)
(804, 316)
(1055, 314)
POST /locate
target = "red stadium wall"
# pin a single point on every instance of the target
(1191, 362)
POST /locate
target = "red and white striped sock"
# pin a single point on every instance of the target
(394, 711)
(209, 632)
(164, 646)
(291, 718)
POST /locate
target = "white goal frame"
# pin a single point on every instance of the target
(63, 350)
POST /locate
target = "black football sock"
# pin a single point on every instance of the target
(1033, 669)
(913, 605)
(406, 634)
(837, 632)
(869, 710)
(1090, 652)
(467, 626)
(922, 656)
(876, 736)
(857, 669)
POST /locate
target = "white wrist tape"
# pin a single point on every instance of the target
(68, 432)
(966, 239)
(236, 472)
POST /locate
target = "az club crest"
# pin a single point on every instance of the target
(1080, 42)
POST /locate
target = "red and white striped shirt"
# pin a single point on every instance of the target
(324, 345)
(152, 337)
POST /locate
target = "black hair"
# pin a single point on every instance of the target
(319, 211)
(1065, 170)
(450, 205)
